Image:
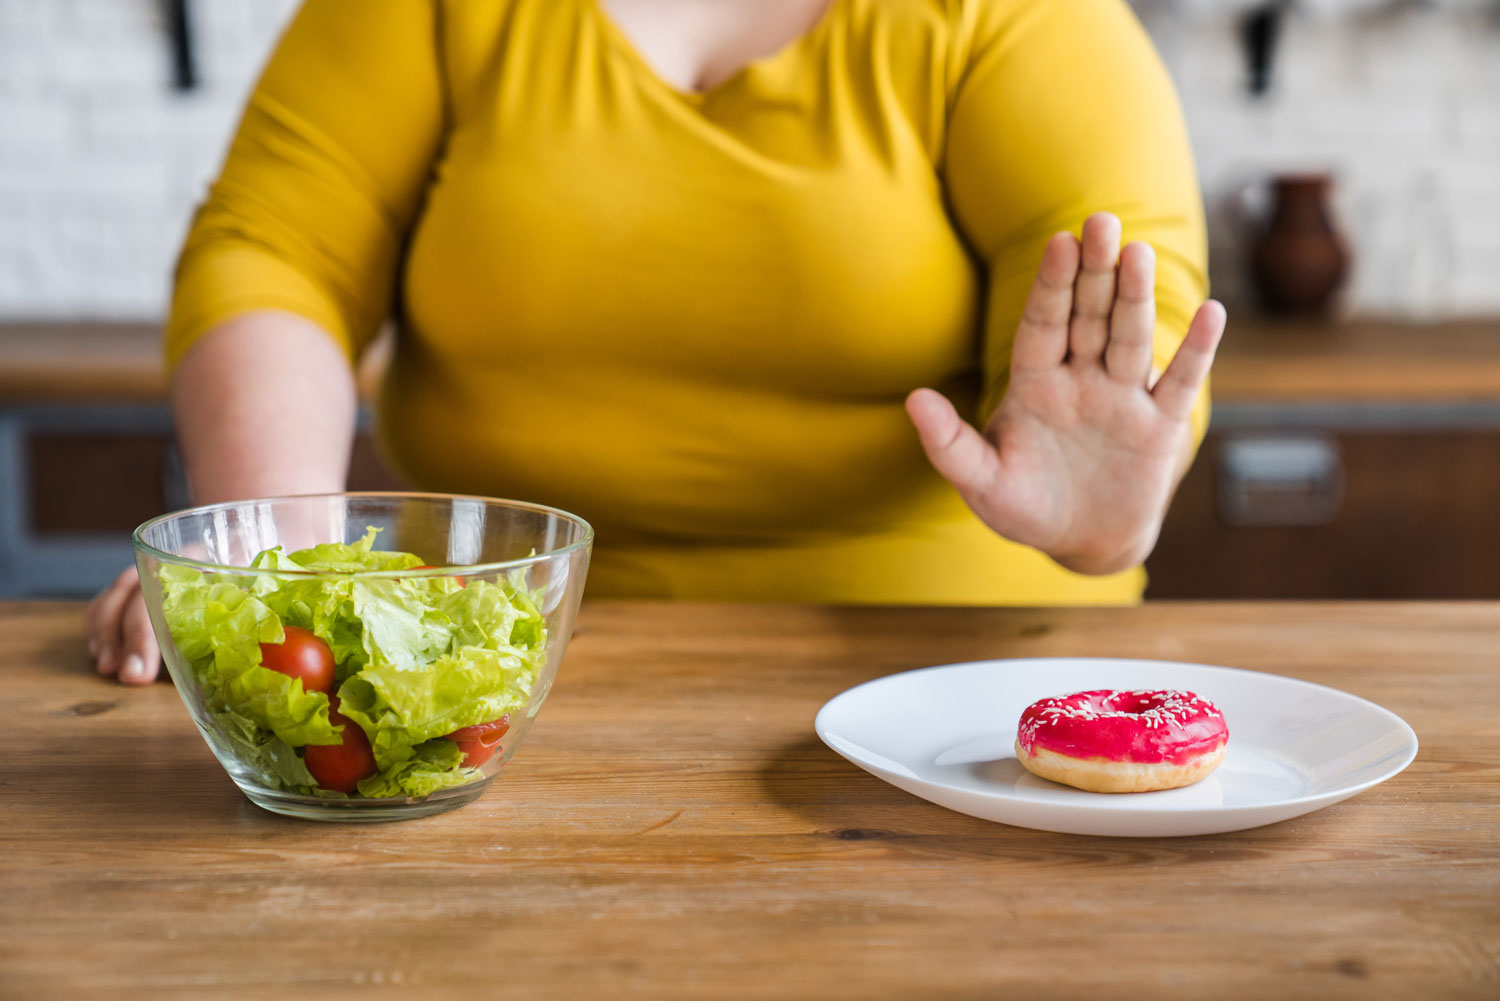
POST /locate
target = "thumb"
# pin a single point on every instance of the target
(952, 445)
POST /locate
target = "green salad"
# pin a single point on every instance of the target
(335, 685)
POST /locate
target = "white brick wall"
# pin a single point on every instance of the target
(1401, 104)
(101, 163)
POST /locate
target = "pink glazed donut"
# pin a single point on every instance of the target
(1134, 741)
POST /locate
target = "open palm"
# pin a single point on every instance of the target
(1082, 455)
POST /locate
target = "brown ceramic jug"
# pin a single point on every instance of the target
(1298, 260)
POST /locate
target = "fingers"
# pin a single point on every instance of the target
(141, 658)
(1094, 290)
(1042, 337)
(1132, 324)
(104, 619)
(952, 445)
(1177, 389)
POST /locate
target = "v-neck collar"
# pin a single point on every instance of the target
(626, 47)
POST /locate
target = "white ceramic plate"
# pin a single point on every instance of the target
(947, 734)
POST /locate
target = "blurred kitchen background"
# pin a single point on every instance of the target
(1349, 152)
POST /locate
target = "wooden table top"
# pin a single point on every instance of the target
(1260, 362)
(673, 829)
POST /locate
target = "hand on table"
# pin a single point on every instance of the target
(1081, 457)
(119, 628)
(120, 637)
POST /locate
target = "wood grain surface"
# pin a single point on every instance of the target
(674, 829)
(1261, 361)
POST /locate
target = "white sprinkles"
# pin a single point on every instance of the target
(1172, 708)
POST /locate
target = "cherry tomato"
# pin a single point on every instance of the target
(301, 655)
(480, 742)
(339, 767)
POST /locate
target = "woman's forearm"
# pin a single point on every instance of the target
(265, 405)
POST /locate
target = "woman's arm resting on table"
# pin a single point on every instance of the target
(288, 270)
(264, 405)
(1061, 113)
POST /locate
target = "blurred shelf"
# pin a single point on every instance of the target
(1265, 362)
(86, 452)
(1261, 362)
(1413, 413)
(102, 362)
(81, 362)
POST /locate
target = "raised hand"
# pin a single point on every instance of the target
(1081, 456)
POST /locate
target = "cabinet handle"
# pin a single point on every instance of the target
(1280, 480)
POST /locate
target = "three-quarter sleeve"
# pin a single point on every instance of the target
(1061, 109)
(324, 177)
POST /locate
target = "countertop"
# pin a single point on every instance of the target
(104, 363)
(673, 829)
(1260, 361)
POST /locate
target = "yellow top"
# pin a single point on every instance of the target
(692, 318)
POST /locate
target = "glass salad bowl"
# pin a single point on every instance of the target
(363, 656)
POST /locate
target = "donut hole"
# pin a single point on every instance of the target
(1133, 703)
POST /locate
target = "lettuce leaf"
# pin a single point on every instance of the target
(401, 628)
(219, 627)
(416, 658)
(434, 765)
(279, 704)
(400, 709)
(269, 756)
(354, 557)
(494, 617)
(362, 620)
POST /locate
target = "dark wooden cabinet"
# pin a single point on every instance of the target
(1418, 514)
(70, 473)
(76, 480)
(1419, 517)
(1411, 415)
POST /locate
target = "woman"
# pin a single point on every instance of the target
(676, 265)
